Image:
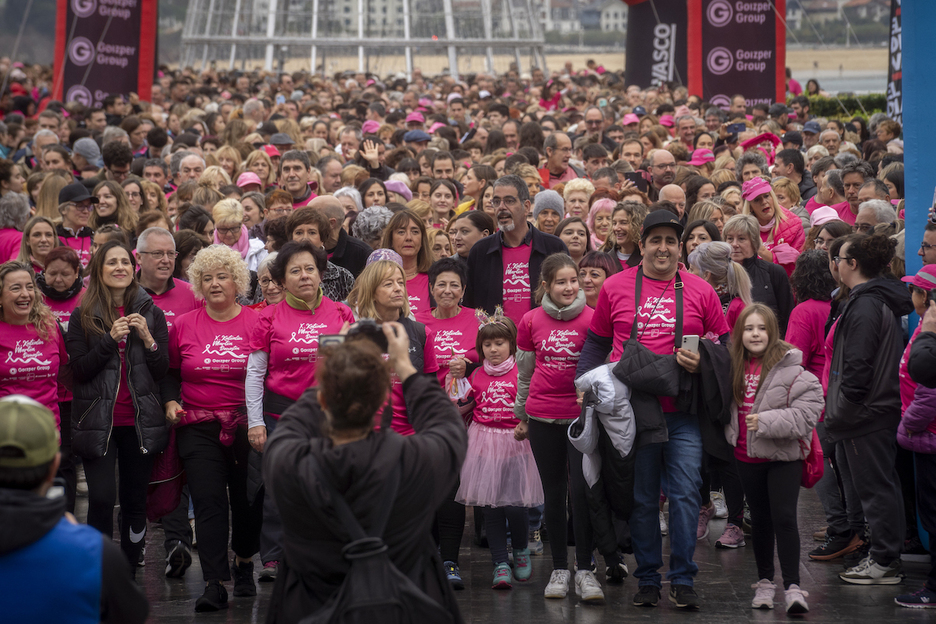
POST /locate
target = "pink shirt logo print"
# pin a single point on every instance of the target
(27, 352)
(498, 400)
(307, 334)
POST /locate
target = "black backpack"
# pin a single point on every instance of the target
(374, 590)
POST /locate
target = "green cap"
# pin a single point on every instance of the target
(29, 437)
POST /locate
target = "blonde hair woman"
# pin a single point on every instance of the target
(576, 194)
(228, 159)
(259, 162)
(215, 178)
(48, 203)
(228, 216)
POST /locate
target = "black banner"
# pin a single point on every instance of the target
(104, 47)
(656, 43)
(738, 51)
(895, 67)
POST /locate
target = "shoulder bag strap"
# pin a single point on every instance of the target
(638, 285)
(343, 510)
(678, 288)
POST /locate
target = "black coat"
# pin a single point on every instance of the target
(350, 253)
(485, 288)
(770, 286)
(864, 382)
(95, 363)
(312, 534)
(922, 364)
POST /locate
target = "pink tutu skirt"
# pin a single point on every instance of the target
(498, 471)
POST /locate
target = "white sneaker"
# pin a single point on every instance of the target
(664, 529)
(764, 591)
(587, 587)
(721, 507)
(558, 586)
(796, 600)
(867, 572)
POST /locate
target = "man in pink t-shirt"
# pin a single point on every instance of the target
(674, 446)
(504, 268)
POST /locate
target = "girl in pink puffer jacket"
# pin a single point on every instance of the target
(776, 405)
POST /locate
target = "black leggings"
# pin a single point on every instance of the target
(772, 490)
(217, 480)
(717, 472)
(449, 526)
(66, 470)
(496, 520)
(123, 453)
(559, 465)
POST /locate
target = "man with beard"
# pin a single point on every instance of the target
(662, 170)
(516, 253)
(295, 175)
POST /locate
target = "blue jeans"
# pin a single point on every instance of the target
(677, 462)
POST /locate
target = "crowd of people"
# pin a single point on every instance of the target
(528, 246)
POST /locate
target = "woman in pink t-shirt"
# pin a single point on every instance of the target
(812, 285)
(39, 239)
(208, 351)
(406, 234)
(549, 343)
(283, 352)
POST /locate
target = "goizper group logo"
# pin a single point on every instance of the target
(720, 60)
(81, 51)
(720, 13)
(80, 94)
(721, 101)
(84, 8)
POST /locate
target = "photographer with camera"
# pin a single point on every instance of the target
(284, 351)
(379, 293)
(329, 434)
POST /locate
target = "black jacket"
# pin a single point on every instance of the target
(770, 286)
(864, 385)
(486, 267)
(312, 535)
(95, 362)
(922, 364)
(807, 188)
(350, 253)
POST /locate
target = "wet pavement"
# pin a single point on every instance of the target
(723, 582)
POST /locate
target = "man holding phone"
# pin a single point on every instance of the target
(674, 449)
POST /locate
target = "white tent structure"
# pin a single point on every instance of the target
(238, 32)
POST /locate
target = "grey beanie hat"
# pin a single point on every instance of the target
(88, 149)
(548, 200)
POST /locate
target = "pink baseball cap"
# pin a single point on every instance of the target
(271, 151)
(755, 187)
(415, 117)
(630, 118)
(666, 120)
(925, 278)
(701, 156)
(370, 127)
(247, 178)
(821, 216)
(436, 126)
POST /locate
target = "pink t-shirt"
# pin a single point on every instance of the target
(30, 364)
(516, 281)
(827, 347)
(752, 374)
(212, 356)
(81, 245)
(10, 240)
(417, 291)
(124, 410)
(400, 422)
(62, 309)
(290, 337)
(453, 336)
(656, 315)
(806, 332)
(558, 346)
(494, 398)
(845, 213)
(178, 300)
(733, 311)
(907, 385)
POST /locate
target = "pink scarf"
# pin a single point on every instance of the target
(770, 225)
(242, 245)
(501, 369)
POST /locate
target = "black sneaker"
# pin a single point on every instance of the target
(178, 560)
(684, 597)
(616, 573)
(243, 579)
(215, 598)
(835, 546)
(856, 556)
(647, 596)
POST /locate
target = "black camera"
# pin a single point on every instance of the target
(367, 329)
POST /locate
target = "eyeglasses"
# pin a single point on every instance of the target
(228, 230)
(280, 211)
(925, 246)
(82, 207)
(159, 255)
(134, 195)
(266, 281)
(507, 201)
(666, 166)
(821, 242)
(838, 259)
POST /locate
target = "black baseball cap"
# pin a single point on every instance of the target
(76, 192)
(778, 109)
(793, 136)
(661, 218)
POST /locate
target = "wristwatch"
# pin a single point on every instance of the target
(155, 347)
